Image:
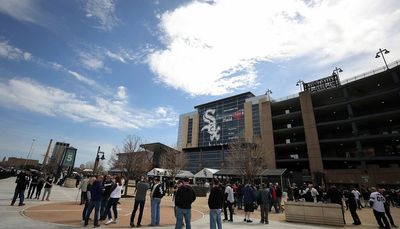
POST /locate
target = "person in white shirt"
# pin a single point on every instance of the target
(377, 201)
(114, 197)
(229, 200)
(357, 195)
(313, 191)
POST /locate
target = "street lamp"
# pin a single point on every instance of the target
(382, 52)
(29, 153)
(96, 162)
(268, 93)
(299, 84)
(336, 71)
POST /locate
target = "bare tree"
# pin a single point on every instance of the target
(130, 160)
(90, 165)
(246, 158)
(174, 161)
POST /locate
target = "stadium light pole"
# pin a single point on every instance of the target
(299, 84)
(29, 153)
(336, 71)
(268, 93)
(96, 162)
(382, 53)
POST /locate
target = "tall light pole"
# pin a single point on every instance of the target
(300, 83)
(268, 94)
(382, 52)
(29, 153)
(96, 162)
(336, 71)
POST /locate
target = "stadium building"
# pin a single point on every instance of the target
(345, 132)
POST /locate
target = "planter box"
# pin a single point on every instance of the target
(314, 213)
(70, 183)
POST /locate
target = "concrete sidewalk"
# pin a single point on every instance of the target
(14, 217)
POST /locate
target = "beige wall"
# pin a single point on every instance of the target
(311, 134)
(184, 131)
(267, 133)
(195, 131)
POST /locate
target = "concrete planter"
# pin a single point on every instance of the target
(314, 213)
(70, 183)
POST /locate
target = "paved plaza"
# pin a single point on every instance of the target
(63, 212)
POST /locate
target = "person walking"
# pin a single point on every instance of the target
(83, 187)
(184, 198)
(88, 197)
(47, 187)
(113, 201)
(156, 194)
(33, 185)
(248, 199)
(376, 201)
(21, 181)
(140, 198)
(357, 195)
(279, 193)
(240, 197)
(108, 184)
(387, 209)
(263, 199)
(352, 203)
(229, 200)
(96, 192)
(215, 203)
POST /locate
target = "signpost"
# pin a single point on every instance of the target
(69, 159)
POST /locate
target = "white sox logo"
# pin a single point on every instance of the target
(211, 127)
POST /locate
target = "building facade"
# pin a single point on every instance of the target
(343, 132)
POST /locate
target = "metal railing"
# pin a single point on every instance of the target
(285, 98)
(370, 73)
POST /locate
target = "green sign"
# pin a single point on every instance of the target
(69, 157)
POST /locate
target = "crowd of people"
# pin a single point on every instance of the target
(33, 181)
(102, 194)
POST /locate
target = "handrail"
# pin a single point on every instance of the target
(369, 73)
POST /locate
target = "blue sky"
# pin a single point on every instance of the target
(92, 72)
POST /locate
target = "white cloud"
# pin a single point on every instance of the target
(90, 61)
(213, 47)
(94, 57)
(23, 10)
(32, 96)
(10, 52)
(82, 78)
(121, 94)
(103, 11)
(115, 56)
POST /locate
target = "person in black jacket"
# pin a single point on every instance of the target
(108, 184)
(335, 197)
(215, 203)
(184, 198)
(157, 193)
(352, 203)
(33, 185)
(22, 181)
(40, 185)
